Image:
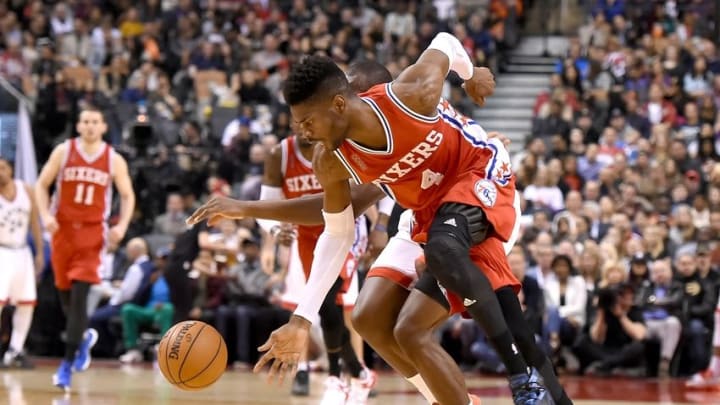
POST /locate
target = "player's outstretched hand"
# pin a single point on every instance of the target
(215, 210)
(480, 86)
(501, 137)
(283, 349)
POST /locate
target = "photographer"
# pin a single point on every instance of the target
(659, 300)
(615, 338)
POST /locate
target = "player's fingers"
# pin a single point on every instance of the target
(262, 361)
(196, 217)
(267, 346)
(284, 368)
(214, 220)
(274, 369)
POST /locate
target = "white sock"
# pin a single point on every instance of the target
(21, 326)
(419, 383)
(715, 365)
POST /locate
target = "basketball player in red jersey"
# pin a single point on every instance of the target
(433, 161)
(288, 174)
(386, 289)
(84, 170)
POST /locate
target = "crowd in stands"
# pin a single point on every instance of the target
(619, 255)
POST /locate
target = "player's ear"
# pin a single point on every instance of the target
(339, 103)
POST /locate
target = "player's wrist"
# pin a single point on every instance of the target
(298, 320)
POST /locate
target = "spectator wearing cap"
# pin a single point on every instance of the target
(698, 305)
(660, 300)
(639, 271)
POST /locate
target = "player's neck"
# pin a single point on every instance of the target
(89, 147)
(8, 190)
(365, 127)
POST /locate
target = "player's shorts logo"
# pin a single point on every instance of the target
(486, 192)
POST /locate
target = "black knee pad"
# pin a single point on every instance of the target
(429, 286)
(463, 220)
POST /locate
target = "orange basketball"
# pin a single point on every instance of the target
(192, 355)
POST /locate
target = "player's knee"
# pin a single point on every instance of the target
(409, 334)
(362, 318)
(442, 254)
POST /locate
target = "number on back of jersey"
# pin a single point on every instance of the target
(430, 178)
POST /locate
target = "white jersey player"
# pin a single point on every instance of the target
(18, 214)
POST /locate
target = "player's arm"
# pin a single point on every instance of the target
(123, 183)
(337, 238)
(47, 176)
(271, 188)
(36, 231)
(301, 211)
(420, 85)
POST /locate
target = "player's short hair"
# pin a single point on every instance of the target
(92, 108)
(314, 76)
(368, 73)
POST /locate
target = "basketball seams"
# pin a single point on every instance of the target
(221, 343)
(167, 355)
(187, 351)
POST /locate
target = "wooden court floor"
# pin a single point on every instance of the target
(107, 383)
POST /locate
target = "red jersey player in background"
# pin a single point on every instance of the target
(84, 170)
(288, 174)
(431, 160)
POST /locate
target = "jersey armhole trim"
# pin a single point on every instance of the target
(419, 117)
(348, 167)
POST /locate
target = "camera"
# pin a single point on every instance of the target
(607, 298)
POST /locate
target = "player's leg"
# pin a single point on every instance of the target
(424, 309)
(61, 254)
(23, 293)
(527, 345)
(349, 298)
(710, 377)
(455, 229)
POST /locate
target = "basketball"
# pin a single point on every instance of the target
(192, 355)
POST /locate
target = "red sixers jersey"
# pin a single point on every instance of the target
(426, 157)
(84, 185)
(299, 180)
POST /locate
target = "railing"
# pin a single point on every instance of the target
(5, 84)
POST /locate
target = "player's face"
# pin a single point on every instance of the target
(91, 126)
(5, 172)
(321, 121)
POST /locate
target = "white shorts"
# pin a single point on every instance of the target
(295, 281)
(397, 261)
(17, 276)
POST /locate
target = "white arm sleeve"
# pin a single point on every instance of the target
(460, 61)
(330, 254)
(269, 193)
(386, 205)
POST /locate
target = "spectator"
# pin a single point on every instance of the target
(172, 222)
(660, 299)
(698, 303)
(151, 308)
(565, 300)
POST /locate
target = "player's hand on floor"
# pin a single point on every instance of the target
(215, 210)
(480, 86)
(283, 349)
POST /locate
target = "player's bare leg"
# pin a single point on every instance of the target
(355, 339)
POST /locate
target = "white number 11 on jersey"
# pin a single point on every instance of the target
(430, 178)
(84, 195)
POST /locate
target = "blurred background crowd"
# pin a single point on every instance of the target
(620, 215)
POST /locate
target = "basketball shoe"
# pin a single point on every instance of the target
(336, 392)
(528, 390)
(82, 358)
(301, 384)
(17, 359)
(705, 379)
(63, 376)
(360, 387)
